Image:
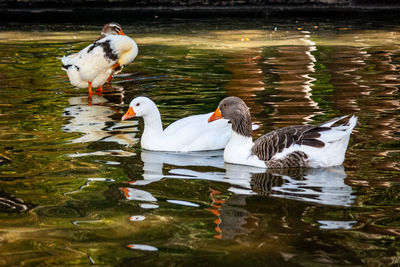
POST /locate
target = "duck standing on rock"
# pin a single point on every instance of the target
(320, 145)
(93, 65)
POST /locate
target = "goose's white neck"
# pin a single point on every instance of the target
(238, 151)
(152, 129)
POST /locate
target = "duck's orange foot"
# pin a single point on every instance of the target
(100, 91)
(89, 91)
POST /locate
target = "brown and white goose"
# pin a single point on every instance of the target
(320, 145)
(93, 65)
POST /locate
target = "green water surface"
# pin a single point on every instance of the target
(76, 188)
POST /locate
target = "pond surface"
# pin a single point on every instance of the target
(76, 188)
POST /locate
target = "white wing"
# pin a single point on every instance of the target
(195, 133)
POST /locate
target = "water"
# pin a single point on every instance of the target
(77, 189)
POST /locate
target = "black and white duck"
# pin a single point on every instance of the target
(93, 65)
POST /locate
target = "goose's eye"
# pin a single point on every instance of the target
(224, 105)
(137, 104)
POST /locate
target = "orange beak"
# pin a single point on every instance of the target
(215, 116)
(121, 32)
(129, 114)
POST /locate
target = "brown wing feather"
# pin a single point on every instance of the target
(274, 142)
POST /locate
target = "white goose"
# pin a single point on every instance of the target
(191, 133)
(320, 145)
(93, 65)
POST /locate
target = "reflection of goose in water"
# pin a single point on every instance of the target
(153, 162)
(320, 185)
(324, 186)
(96, 123)
(233, 218)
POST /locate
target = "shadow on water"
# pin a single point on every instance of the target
(77, 189)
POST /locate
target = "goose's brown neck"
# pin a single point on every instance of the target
(242, 124)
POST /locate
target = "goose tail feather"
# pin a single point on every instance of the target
(336, 133)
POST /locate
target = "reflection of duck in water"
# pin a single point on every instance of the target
(95, 122)
(320, 145)
(93, 65)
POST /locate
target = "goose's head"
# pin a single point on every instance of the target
(230, 108)
(112, 28)
(237, 112)
(140, 107)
